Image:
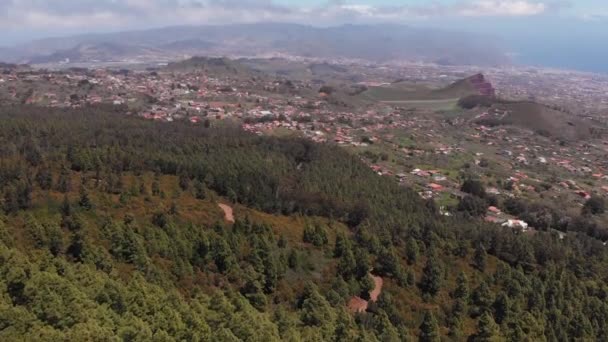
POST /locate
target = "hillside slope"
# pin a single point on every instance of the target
(420, 95)
(538, 118)
(111, 230)
(214, 67)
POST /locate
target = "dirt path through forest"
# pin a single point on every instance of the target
(377, 289)
(228, 213)
(358, 304)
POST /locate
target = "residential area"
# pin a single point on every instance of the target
(433, 148)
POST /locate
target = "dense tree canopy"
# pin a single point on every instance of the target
(110, 230)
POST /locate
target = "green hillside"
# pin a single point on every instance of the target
(409, 91)
(420, 95)
(111, 231)
(539, 118)
(547, 121)
(215, 67)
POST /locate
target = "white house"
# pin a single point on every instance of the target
(516, 224)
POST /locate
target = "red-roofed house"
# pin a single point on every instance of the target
(435, 187)
(494, 210)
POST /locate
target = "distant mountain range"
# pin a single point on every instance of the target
(378, 43)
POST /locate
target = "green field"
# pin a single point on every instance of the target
(443, 104)
(419, 96)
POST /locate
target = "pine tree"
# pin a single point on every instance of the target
(66, 207)
(487, 330)
(292, 259)
(346, 329)
(316, 311)
(200, 190)
(142, 189)
(462, 287)
(410, 278)
(462, 249)
(473, 187)
(461, 294)
(97, 173)
(24, 195)
(78, 248)
(431, 277)
(483, 297)
(11, 201)
(385, 329)
(367, 285)
(342, 244)
(252, 290)
(64, 184)
(155, 188)
(173, 210)
(184, 181)
(36, 231)
(85, 202)
(55, 237)
(282, 242)
(271, 275)
(315, 235)
(412, 251)
(387, 262)
(362, 262)
(44, 178)
(387, 304)
(594, 206)
(429, 330)
(502, 307)
(479, 259)
(160, 219)
(223, 255)
(580, 327)
(348, 264)
(456, 328)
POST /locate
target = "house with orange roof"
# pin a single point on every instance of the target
(435, 187)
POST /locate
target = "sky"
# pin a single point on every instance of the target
(23, 18)
(568, 33)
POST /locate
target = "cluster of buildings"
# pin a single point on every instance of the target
(418, 147)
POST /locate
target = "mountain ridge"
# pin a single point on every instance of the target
(379, 43)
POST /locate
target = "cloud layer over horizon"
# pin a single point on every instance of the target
(118, 14)
(569, 33)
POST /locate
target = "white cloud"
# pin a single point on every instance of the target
(598, 16)
(42, 20)
(112, 14)
(503, 8)
(360, 9)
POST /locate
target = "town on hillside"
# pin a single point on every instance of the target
(520, 147)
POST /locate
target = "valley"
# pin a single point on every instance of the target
(431, 133)
(219, 199)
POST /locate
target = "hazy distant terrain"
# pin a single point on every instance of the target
(378, 43)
